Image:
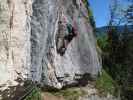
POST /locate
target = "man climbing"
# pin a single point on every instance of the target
(65, 35)
(60, 38)
(66, 32)
(71, 34)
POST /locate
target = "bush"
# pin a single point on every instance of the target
(34, 95)
(70, 93)
(105, 84)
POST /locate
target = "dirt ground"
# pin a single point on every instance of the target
(48, 96)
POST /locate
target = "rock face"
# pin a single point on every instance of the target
(48, 41)
(63, 46)
(14, 40)
(57, 60)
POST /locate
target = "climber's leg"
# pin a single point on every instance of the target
(59, 45)
(66, 42)
(62, 48)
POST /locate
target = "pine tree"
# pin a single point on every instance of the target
(129, 13)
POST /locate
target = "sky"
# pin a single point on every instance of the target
(100, 10)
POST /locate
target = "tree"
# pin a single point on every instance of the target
(129, 14)
(116, 13)
(121, 49)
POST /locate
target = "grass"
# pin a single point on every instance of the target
(105, 84)
(35, 95)
(70, 93)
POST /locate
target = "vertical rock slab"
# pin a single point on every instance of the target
(50, 42)
(14, 41)
(63, 48)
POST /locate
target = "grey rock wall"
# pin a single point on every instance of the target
(48, 41)
(79, 57)
(14, 40)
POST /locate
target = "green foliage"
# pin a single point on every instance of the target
(103, 43)
(35, 95)
(90, 14)
(92, 22)
(70, 93)
(106, 84)
(91, 17)
(86, 2)
(118, 59)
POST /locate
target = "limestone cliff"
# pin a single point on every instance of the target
(50, 42)
(14, 40)
(58, 57)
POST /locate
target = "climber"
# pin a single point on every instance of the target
(71, 34)
(66, 32)
(60, 38)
